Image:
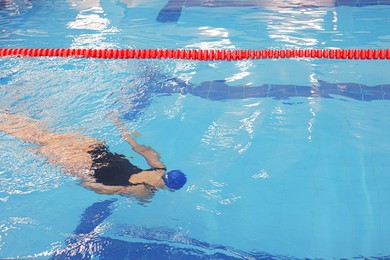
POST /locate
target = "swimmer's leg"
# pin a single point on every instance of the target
(26, 129)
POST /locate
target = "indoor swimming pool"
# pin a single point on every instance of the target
(285, 158)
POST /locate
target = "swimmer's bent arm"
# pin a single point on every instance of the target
(151, 156)
(139, 191)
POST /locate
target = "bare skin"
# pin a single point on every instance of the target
(69, 151)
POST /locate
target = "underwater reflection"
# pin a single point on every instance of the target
(87, 241)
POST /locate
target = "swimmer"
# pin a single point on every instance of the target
(90, 159)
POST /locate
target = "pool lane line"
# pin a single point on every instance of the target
(186, 54)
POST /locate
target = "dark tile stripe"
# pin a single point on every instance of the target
(171, 12)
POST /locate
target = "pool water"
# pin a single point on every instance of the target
(285, 159)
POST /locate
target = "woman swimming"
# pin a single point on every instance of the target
(90, 159)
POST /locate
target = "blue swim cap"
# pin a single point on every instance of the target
(174, 179)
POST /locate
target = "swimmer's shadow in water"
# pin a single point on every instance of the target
(86, 243)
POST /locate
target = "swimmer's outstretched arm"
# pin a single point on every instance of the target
(26, 129)
(151, 156)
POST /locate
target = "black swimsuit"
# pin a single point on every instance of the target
(113, 169)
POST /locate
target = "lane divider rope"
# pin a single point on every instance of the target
(357, 54)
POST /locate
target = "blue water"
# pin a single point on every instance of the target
(286, 159)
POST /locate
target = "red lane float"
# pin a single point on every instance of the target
(356, 54)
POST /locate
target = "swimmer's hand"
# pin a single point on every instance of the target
(136, 133)
(119, 123)
(114, 116)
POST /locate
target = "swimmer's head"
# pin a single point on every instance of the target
(174, 179)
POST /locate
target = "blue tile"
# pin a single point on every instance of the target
(142, 96)
(221, 3)
(349, 87)
(308, 91)
(256, 92)
(372, 93)
(171, 12)
(367, 2)
(362, 3)
(249, 3)
(347, 3)
(282, 91)
(356, 96)
(386, 90)
(202, 90)
(236, 92)
(220, 90)
(191, 3)
(211, 3)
